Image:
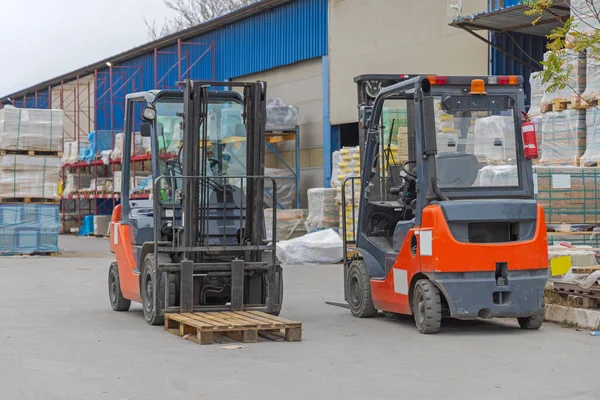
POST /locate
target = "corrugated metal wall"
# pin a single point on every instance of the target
(294, 32)
(525, 47)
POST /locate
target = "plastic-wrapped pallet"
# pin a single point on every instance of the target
(29, 176)
(322, 209)
(99, 141)
(498, 175)
(290, 223)
(583, 13)
(351, 221)
(537, 94)
(29, 228)
(31, 129)
(281, 116)
(495, 138)
(286, 187)
(563, 136)
(592, 148)
(569, 195)
(576, 82)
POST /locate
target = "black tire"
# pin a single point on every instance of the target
(115, 295)
(427, 307)
(153, 309)
(359, 290)
(533, 322)
(278, 308)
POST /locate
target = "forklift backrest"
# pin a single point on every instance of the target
(456, 169)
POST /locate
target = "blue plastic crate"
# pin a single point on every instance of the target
(29, 228)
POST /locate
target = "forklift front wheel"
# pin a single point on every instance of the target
(359, 290)
(117, 301)
(149, 279)
(427, 307)
(534, 322)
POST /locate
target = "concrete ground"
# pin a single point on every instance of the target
(59, 339)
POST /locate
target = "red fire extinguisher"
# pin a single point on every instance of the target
(529, 139)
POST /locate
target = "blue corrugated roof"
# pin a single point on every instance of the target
(290, 33)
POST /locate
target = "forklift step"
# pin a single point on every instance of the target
(243, 326)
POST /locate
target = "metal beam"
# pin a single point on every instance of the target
(503, 51)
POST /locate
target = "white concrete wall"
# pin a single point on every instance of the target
(77, 101)
(299, 84)
(393, 37)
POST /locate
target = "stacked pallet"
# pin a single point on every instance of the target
(30, 152)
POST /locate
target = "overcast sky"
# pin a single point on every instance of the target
(41, 39)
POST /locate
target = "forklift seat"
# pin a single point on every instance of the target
(456, 169)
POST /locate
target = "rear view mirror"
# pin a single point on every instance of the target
(365, 115)
(145, 130)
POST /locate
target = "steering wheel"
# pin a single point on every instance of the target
(409, 174)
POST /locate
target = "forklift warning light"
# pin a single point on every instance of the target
(477, 86)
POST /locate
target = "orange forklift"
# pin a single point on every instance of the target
(198, 243)
(453, 230)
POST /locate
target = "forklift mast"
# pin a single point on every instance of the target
(199, 243)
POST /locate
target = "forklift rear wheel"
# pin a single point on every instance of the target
(152, 315)
(117, 301)
(533, 322)
(359, 290)
(427, 307)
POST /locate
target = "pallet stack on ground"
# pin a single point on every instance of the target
(30, 151)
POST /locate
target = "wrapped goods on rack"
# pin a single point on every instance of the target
(29, 176)
(285, 183)
(117, 179)
(569, 195)
(70, 153)
(98, 142)
(322, 209)
(575, 63)
(281, 116)
(592, 148)
(101, 184)
(75, 182)
(290, 223)
(31, 129)
(495, 138)
(563, 136)
(117, 152)
(29, 228)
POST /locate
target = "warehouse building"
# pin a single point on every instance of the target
(307, 50)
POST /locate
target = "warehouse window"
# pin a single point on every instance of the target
(349, 134)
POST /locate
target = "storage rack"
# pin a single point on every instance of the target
(286, 135)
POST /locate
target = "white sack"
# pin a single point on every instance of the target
(321, 247)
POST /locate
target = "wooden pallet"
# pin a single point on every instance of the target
(243, 326)
(31, 153)
(567, 288)
(27, 200)
(34, 254)
(586, 270)
(565, 104)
